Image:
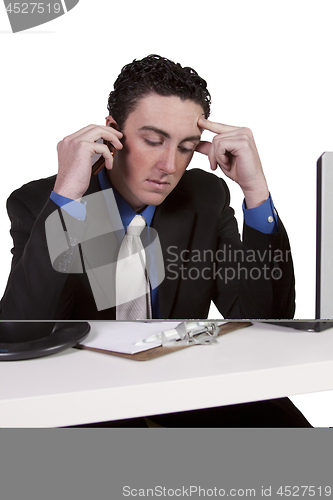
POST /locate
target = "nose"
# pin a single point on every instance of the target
(168, 161)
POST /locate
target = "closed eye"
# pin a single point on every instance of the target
(153, 143)
(185, 150)
(182, 149)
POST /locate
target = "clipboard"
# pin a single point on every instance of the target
(161, 350)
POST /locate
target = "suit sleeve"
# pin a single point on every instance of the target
(34, 286)
(257, 279)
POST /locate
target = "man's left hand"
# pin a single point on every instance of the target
(234, 150)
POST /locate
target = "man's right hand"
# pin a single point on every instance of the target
(75, 154)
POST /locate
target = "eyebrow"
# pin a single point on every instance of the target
(165, 134)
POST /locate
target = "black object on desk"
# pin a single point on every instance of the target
(304, 325)
(26, 340)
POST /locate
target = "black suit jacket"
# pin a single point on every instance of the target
(204, 259)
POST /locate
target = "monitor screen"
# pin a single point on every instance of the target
(324, 256)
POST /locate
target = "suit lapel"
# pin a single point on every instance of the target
(174, 228)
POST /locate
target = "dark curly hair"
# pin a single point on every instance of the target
(155, 74)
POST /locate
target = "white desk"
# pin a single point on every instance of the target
(75, 386)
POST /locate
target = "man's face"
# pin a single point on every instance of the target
(160, 137)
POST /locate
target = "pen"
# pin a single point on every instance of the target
(181, 332)
(157, 337)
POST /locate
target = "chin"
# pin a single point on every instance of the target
(155, 199)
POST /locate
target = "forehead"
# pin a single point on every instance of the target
(169, 113)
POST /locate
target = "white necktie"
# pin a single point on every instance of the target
(132, 284)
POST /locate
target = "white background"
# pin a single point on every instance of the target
(268, 66)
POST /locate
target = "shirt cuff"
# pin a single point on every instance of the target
(262, 218)
(74, 208)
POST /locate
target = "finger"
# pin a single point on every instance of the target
(237, 146)
(217, 128)
(100, 148)
(208, 149)
(204, 147)
(94, 132)
(212, 157)
(226, 162)
(107, 154)
(114, 141)
(106, 134)
(113, 127)
(109, 162)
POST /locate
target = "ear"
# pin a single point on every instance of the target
(111, 122)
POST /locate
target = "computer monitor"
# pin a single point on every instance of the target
(324, 256)
(324, 251)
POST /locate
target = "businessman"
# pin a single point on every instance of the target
(157, 112)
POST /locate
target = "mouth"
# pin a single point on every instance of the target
(156, 184)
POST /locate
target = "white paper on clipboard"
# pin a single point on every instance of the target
(121, 336)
